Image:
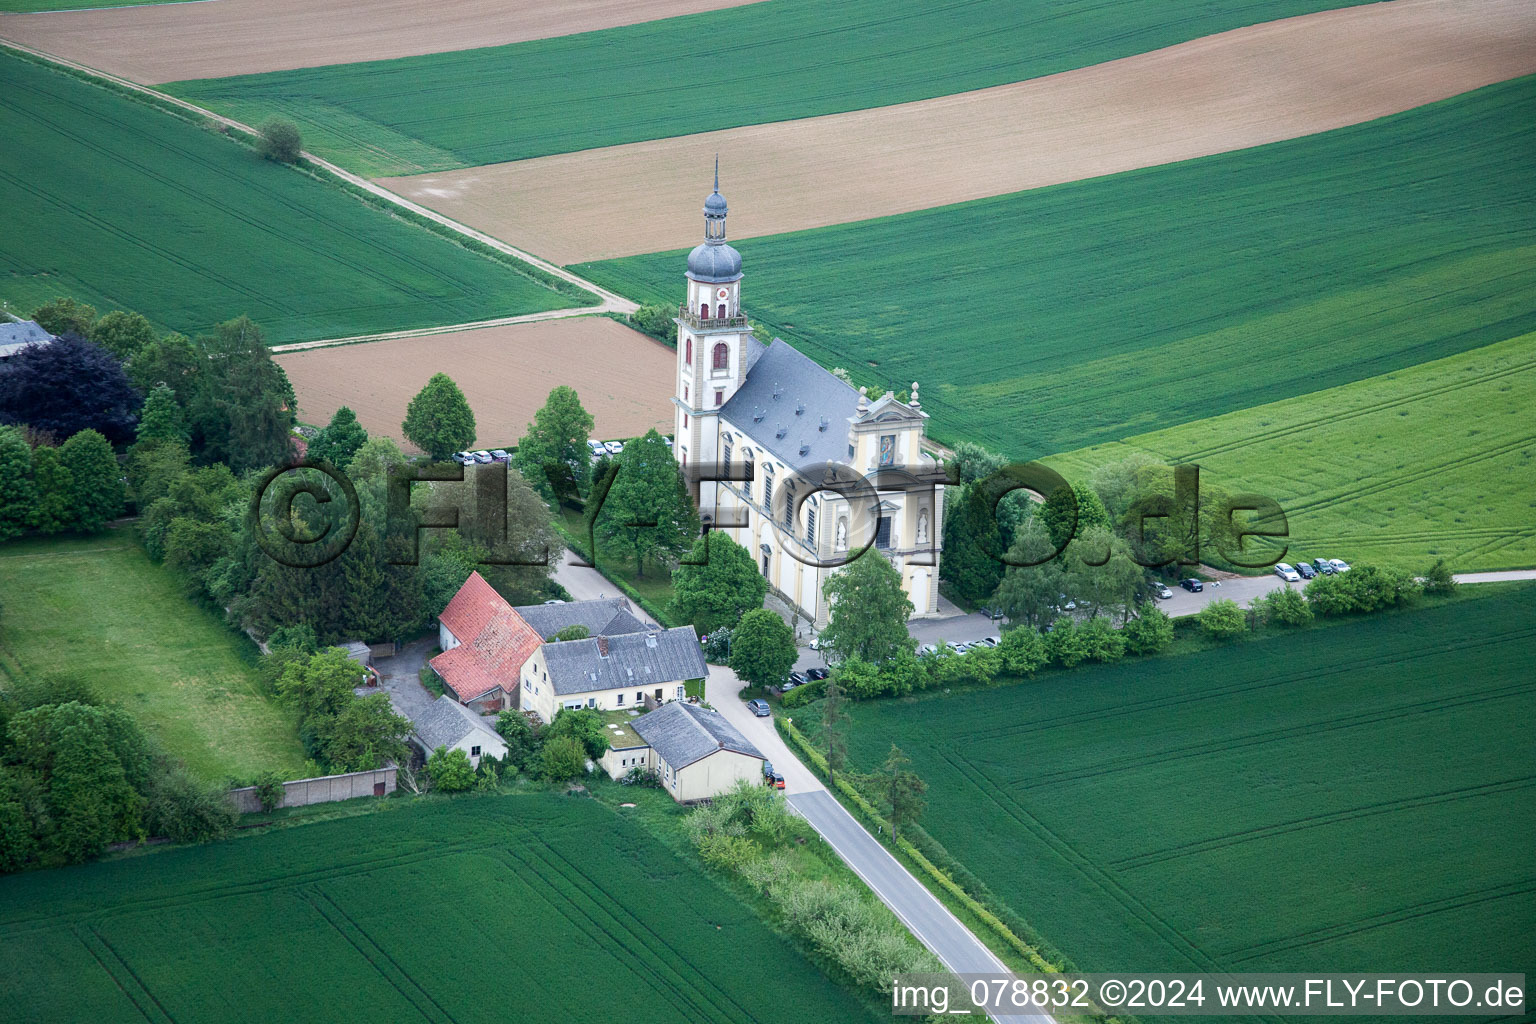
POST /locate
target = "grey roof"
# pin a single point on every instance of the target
(683, 733)
(21, 334)
(714, 262)
(640, 660)
(801, 385)
(549, 619)
(715, 204)
(445, 722)
(620, 624)
(357, 651)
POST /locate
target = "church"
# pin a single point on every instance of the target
(781, 431)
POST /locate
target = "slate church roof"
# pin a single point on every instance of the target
(787, 391)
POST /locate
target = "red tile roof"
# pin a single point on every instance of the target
(494, 642)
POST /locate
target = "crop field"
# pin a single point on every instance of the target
(125, 206)
(236, 37)
(53, 6)
(1067, 316)
(1438, 460)
(750, 65)
(97, 610)
(1350, 798)
(475, 910)
(624, 377)
(1247, 87)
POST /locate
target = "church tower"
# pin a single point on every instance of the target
(712, 340)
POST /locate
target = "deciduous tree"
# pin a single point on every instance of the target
(64, 315)
(450, 770)
(762, 648)
(122, 333)
(54, 511)
(242, 411)
(18, 493)
(66, 387)
(717, 583)
(96, 485)
(439, 420)
(646, 508)
(339, 441)
(869, 612)
(554, 450)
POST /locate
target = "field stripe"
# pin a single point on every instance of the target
(131, 988)
(411, 990)
(1263, 832)
(126, 968)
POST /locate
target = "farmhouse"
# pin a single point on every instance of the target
(22, 334)
(695, 752)
(496, 656)
(791, 429)
(447, 723)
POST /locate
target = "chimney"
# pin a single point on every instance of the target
(777, 391)
(650, 639)
(602, 646)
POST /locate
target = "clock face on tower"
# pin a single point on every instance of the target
(722, 293)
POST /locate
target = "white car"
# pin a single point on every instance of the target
(1339, 565)
(1161, 591)
(927, 650)
(986, 641)
(596, 448)
(483, 457)
(1285, 572)
(614, 447)
(957, 647)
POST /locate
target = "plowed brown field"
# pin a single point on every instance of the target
(624, 378)
(1243, 88)
(171, 42)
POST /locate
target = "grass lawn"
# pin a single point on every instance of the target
(97, 609)
(1350, 798)
(615, 563)
(124, 205)
(1437, 460)
(745, 65)
(338, 917)
(1047, 320)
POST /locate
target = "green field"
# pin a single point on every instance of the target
(98, 610)
(1048, 320)
(534, 908)
(1352, 798)
(125, 206)
(1438, 460)
(36, 6)
(748, 65)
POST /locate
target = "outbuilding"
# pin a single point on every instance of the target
(696, 753)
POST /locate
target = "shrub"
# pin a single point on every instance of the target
(803, 695)
(1066, 644)
(1222, 619)
(1149, 632)
(1438, 579)
(640, 775)
(450, 770)
(186, 811)
(1102, 640)
(269, 791)
(1287, 607)
(657, 321)
(1023, 651)
(859, 679)
(727, 852)
(562, 758)
(280, 140)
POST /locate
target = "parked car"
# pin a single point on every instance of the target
(554, 600)
(816, 674)
(668, 441)
(987, 641)
(992, 613)
(815, 643)
(501, 455)
(761, 710)
(776, 781)
(798, 679)
(1065, 605)
(483, 457)
(1323, 566)
(1161, 591)
(1192, 585)
(1338, 565)
(1305, 571)
(463, 458)
(927, 650)
(596, 447)
(957, 647)
(1285, 572)
(613, 447)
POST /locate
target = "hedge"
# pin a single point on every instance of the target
(628, 591)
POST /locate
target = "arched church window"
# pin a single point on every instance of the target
(689, 347)
(704, 310)
(722, 356)
(720, 311)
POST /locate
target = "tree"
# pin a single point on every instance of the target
(972, 462)
(1222, 619)
(66, 387)
(366, 734)
(242, 409)
(185, 810)
(717, 583)
(562, 758)
(171, 360)
(1287, 607)
(123, 334)
(1100, 572)
(439, 420)
(54, 510)
(869, 611)
(96, 485)
(270, 791)
(18, 494)
(647, 508)
(154, 467)
(972, 539)
(762, 648)
(64, 315)
(554, 449)
(450, 770)
(1438, 578)
(1023, 651)
(583, 725)
(161, 419)
(339, 441)
(280, 140)
(1029, 593)
(576, 631)
(1103, 641)
(521, 737)
(658, 320)
(832, 724)
(1150, 631)
(1066, 644)
(859, 679)
(904, 792)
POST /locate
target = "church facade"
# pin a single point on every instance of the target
(777, 450)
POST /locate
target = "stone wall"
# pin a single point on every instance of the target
(325, 789)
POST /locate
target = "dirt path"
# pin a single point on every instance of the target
(168, 43)
(1243, 88)
(624, 378)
